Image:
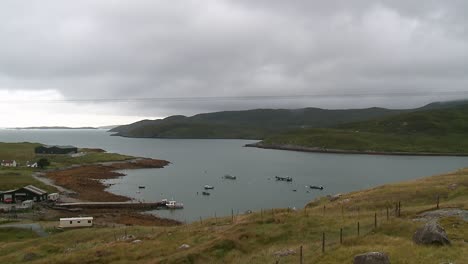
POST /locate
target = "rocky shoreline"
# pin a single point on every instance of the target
(341, 151)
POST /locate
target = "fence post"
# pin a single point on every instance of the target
(438, 201)
(375, 220)
(323, 242)
(341, 236)
(358, 228)
(399, 208)
(300, 256)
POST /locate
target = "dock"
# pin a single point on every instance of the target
(110, 205)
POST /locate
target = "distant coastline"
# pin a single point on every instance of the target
(342, 151)
(51, 127)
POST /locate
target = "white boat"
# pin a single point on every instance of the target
(208, 187)
(173, 204)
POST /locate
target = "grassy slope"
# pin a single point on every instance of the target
(11, 178)
(250, 124)
(255, 237)
(438, 131)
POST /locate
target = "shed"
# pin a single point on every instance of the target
(46, 149)
(29, 192)
(76, 222)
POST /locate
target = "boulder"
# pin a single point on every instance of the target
(431, 234)
(372, 258)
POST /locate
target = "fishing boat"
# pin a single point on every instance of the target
(208, 187)
(173, 204)
(316, 187)
(288, 179)
(141, 187)
(205, 193)
(229, 177)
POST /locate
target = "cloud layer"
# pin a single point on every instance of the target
(186, 48)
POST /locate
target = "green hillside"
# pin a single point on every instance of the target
(250, 124)
(434, 131)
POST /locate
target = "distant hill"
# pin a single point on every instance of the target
(439, 130)
(249, 124)
(54, 127)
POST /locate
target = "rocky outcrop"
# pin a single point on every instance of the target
(431, 234)
(372, 258)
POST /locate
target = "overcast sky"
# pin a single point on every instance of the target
(54, 55)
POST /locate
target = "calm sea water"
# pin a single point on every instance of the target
(195, 163)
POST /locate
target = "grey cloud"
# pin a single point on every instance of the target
(122, 49)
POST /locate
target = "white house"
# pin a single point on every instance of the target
(8, 163)
(76, 222)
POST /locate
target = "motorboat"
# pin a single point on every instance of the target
(205, 193)
(208, 187)
(173, 204)
(316, 187)
(288, 179)
(229, 177)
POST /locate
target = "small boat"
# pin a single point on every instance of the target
(173, 204)
(208, 187)
(316, 187)
(229, 177)
(288, 179)
(141, 187)
(205, 193)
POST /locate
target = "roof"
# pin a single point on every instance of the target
(35, 190)
(76, 218)
(8, 161)
(57, 146)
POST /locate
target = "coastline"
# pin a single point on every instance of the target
(342, 151)
(86, 180)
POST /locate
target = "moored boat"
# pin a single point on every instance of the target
(316, 187)
(208, 187)
(229, 177)
(173, 204)
(288, 179)
(205, 193)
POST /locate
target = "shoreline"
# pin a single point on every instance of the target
(86, 180)
(83, 183)
(358, 152)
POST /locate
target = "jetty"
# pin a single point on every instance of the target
(110, 205)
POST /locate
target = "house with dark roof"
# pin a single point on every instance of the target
(46, 149)
(29, 192)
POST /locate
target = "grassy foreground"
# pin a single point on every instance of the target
(254, 238)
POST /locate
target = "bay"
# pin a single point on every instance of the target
(195, 163)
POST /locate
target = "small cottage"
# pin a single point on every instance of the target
(45, 149)
(76, 222)
(8, 163)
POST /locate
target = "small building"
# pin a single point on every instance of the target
(53, 197)
(46, 149)
(29, 192)
(8, 163)
(28, 204)
(76, 222)
(31, 164)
